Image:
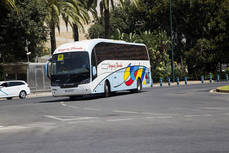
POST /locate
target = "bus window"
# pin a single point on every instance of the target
(112, 51)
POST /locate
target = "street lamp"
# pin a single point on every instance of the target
(27, 49)
(171, 30)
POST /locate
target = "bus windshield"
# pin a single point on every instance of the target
(70, 68)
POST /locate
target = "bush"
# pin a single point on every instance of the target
(96, 31)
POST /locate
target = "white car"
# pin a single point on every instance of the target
(17, 88)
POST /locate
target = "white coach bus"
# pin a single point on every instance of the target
(98, 66)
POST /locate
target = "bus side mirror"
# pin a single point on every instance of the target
(94, 71)
(48, 68)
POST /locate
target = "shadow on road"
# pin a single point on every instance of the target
(88, 97)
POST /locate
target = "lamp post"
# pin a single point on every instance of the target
(171, 30)
(27, 50)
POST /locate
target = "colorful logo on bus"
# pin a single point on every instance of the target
(133, 73)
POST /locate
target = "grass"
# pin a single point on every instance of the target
(223, 89)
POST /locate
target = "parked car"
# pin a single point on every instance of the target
(17, 88)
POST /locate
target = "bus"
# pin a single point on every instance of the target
(98, 66)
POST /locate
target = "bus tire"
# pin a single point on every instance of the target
(139, 86)
(106, 89)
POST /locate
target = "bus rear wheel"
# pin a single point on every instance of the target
(138, 87)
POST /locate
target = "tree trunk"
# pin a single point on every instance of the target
(52, 35)
(75, 32)
(107, 22)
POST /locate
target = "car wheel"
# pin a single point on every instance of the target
(22, 95)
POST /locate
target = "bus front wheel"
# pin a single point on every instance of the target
(106, 89)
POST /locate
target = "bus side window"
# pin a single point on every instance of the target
(93, 64)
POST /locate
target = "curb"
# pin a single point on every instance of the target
(39, 94)
(220, 90)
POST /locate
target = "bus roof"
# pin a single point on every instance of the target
(88, 45)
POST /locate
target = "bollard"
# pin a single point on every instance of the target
(202, 79)
(169, 81)
(178, 81)
(226, 77)
(161, 82)
(186, 81)
(218, 77)
(152, 83)
(210, 78)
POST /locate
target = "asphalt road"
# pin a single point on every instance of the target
(158, 120)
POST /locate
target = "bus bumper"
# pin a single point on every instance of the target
(80, 90)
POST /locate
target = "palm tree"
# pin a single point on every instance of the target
(69, 9)
(105, 10)
(52, 20)
(76, 16)
(9, 4)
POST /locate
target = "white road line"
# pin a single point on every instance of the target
(69, 118)
(82, 121)
(159, 117)
(53, 117)
(123, 111)
(63, 104)
(12, 128)
(203, 115)
(120, 119)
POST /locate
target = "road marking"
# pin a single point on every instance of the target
(12, 128)
(69, 118)
(159, 117)
(123, 111)
(53, 117)
(63, 104)
(119, 119)
(203, 115)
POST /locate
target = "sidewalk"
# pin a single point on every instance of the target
(39, 94)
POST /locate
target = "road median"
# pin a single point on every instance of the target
(224, 89)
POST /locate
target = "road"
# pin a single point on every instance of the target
(158, 120)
